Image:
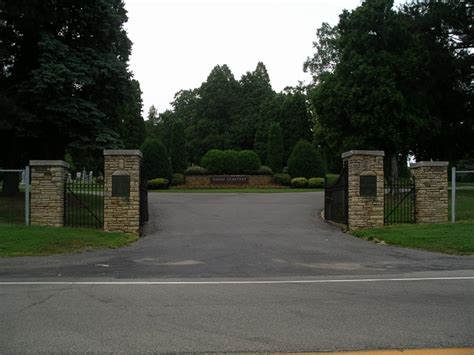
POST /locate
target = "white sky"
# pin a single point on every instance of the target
(177, 43)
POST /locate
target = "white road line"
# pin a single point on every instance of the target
(236, 282)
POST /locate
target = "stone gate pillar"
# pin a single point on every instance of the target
(365, 188)
(122, 190)
(431, 191)
(48, 179)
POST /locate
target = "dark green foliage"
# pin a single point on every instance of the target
(248, 162)
(196, 170)
(158, 184)
(178, 148)
(299, 182)
(213, 161)
(283, 179)
(316, 183)
(264, 170)
(64, 80)
(305, 161)
(275, 148)
(156, 163)
(231, 162)
(177, 179)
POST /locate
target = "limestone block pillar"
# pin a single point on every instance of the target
(122, 190)
(431, 188)
(365, 188)
(48, 179)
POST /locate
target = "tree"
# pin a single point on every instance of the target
(156, 162)
(305, 161)
(151, 122)
(64, 78)
(178, 148)
(133, 127)
(275, 148)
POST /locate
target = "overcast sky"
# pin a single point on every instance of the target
(176, 43)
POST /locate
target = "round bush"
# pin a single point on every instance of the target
(265, 170)
(248, 162)
(299, 182)
(231, 162)
(305, 161)
(156, 162)
(316, 183)
(213, 161)
(158, 184)
(283, 179)
(196, 170)
(177, 179)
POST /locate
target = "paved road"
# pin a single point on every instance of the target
(338, 293)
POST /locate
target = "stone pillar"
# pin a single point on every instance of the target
(122, 190)
(365, 188)
(431, 189)
(48, 179)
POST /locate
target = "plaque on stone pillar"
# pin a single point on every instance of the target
(121, 186)
(368, 186)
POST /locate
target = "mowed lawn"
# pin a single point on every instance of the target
(18, 240)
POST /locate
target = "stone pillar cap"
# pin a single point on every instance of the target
(421, 164)
(49, 163)
(375, 153)
(123, 152)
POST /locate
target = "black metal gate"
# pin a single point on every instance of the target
(399, 200)
(143, 198)
(336, 199)
(84, 202)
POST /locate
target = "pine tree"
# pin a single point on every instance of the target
(178, 148)
(275, 148)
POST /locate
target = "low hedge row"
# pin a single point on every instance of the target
(312, 183)
(218, 161)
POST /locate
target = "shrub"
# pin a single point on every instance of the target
(177, 179)
(275, 148)
(283, 179)
(316, 183)
(196, 170)
(299, 182)
(305, 161)
(285, 170)
(213, 161)
(156, 162)
(158, 184)
(230, 163)
(178, 148)
(265, 170)
(248, 162)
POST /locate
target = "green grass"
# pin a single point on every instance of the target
(18, 240)
(76, 215)
(236, 190)
(464, 205)
(446, 238)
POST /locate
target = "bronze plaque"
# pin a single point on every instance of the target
(121, 186)
(368, 186)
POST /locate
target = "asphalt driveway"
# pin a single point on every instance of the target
(195, 235)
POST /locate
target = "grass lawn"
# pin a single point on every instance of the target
(17, 240)
(464, 205)
(237, 190)
(447, 238)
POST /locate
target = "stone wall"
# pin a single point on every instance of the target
(122, 214)
(365, 212)
(48, 178)
(431, 186)
(197, 181)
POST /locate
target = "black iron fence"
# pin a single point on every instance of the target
(399, 200)
(84, 203)
(143, 198)
(336, 199)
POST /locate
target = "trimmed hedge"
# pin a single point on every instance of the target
(177, 179)
(213, 161)
(283, 179)
(248, 162)
(305, 161)
(230, 162)
(316, 183)
(299, 182)
(196, 170)
(264, 170)
(158, 184)
(156, 162)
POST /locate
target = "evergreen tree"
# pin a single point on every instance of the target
(156, 162)
(305, 161)
(275, 148)
(178, 148)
